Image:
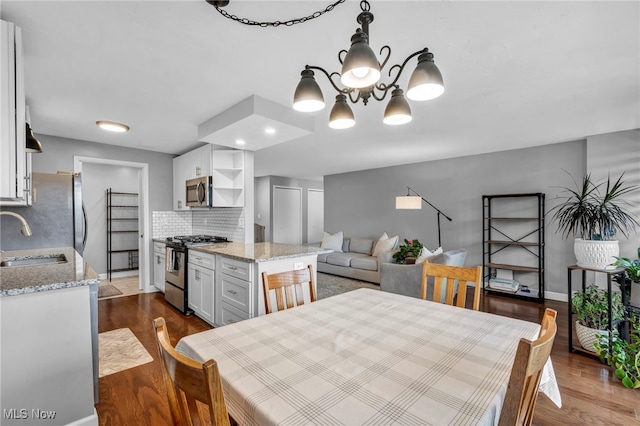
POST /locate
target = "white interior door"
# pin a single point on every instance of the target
(287, 215)
(315, 215)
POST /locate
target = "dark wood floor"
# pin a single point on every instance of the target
(591, 394)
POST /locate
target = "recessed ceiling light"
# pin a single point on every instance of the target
(240, 141)
(270, 130)
(112, 126)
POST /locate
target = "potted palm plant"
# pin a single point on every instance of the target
(591, 308)
(594, 213)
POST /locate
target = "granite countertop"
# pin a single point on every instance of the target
(260, 252)
(16, 280)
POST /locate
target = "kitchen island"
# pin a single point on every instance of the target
(235, 284)
(48, 343)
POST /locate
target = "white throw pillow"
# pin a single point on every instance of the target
(425, 254)
(332, 242)
(385, 243)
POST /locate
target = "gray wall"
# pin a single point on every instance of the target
(58, 154)
(264, 200)
(362, 204)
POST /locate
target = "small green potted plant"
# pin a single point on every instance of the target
(591, 309)
(408, 252)
(594, 213)
(623, 355)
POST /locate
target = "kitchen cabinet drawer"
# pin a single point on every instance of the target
(232, 315)
(235, 292)
(235, 268)
(202, 259)
(159, 249)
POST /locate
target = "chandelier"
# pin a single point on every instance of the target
(360, 78)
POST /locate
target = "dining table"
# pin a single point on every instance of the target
(367, 357)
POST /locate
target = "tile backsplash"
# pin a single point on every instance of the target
(223, 222)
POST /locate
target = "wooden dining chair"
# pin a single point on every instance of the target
(190, 383)
(286, 285)
(522, 391)
(446, 277)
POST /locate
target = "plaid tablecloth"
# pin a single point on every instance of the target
(367, 357)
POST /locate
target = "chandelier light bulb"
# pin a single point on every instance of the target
(360, 67)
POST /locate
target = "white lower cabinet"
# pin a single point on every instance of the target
(234, 291)
(159, 260)
(201, 284)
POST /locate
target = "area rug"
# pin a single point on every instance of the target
(329, 285)
(120, 350)
(108, 290)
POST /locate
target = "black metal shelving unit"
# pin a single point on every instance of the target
(511, 221)
(122, 224)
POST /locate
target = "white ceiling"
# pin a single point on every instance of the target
(517, 74)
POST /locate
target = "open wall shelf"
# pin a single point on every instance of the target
(513, 245)
(122, 232)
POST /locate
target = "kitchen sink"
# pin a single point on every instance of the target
(43, 260)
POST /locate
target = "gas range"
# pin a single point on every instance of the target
(195, 240)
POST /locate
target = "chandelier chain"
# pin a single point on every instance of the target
(288, 23)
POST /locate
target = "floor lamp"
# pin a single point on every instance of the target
(414, 202)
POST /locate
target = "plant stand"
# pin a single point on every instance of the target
(610, 273)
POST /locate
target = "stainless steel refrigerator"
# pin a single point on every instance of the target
(57, 217)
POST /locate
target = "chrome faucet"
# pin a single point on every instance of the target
(25, 229)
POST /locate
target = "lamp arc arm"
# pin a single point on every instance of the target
(314, 67)
(434, 207)
(401, 67)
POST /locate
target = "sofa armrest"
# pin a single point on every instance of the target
(385, 257)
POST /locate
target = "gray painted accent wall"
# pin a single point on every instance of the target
(362, 204)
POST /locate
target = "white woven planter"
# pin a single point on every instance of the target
(595, 254)
(588, 336)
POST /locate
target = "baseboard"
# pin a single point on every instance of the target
(552, 295)
(123, 274)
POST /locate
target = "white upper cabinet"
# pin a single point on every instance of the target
(180, 176)
(199, 162)
(15, 164)
(226, 166)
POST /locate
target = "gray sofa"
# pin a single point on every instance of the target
(356, 260)
(407, 279)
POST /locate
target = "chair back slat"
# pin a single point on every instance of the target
(288, 288)
(526, 372)
(190, 384)
(451, 277)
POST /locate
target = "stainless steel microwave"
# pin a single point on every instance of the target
(198, 192)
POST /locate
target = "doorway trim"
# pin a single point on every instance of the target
(145, 283)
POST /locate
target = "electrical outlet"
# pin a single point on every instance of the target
(241, 222)
(298, 265)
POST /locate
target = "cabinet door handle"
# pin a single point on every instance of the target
(231, 321)
(158, 261)
(233, 268)
(232, 291)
